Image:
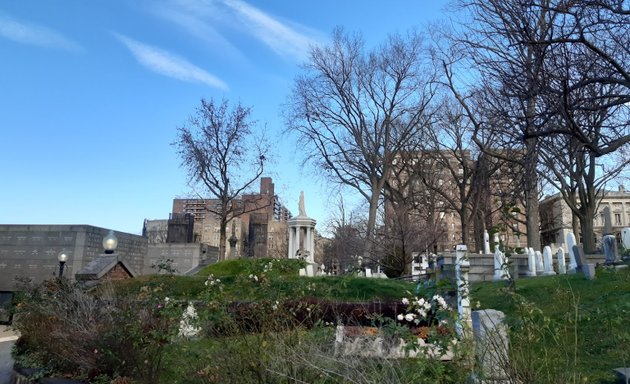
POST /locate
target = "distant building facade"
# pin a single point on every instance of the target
(556, 218)
(260, 230)
(426, 186)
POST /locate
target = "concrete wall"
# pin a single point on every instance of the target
(185, 256)
(30, 251)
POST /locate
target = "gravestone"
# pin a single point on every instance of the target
(486, 242)
(531, 262)
(491, 345)
(562, 267)
(623, 375)
(625, 241)
(580, 259)
(548, 261)
(540, 267)
(368, 272)
(570, 244)
(625, 237)
(609, 241)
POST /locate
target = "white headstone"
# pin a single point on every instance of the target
(540, 267)
(491, 345)
(486, 242)
(498, 264)
(548, 261)
(562, 268)
(531, 262)
(368, 272)
(625, 237)
(570, 243)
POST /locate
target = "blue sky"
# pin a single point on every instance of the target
(91, 94)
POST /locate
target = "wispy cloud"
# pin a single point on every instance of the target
(199, 19)
(211, 19)
(168, 64)
(282, 38)
(28, 33)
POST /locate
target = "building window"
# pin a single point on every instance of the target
(617, 218)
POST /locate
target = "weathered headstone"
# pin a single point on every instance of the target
(625, 237)
(491, 345)
(368, 272)
(531, 262)
(589, 271)
(486, 242)
(623, 375)
(540, 267)
(548, 261)
(610, 249)
(498, 264)
(580, 259)
(562, 267)
(570, 244)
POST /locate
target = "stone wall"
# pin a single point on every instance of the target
(31, 251)
(185, 256)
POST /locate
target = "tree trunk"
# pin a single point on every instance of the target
(586, 223)
(463, 216)
(531, 194)
(222, 238)
(371, 223)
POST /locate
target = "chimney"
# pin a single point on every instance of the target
(622, 188)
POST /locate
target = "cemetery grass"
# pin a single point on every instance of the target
(246, 280)
(564, 327)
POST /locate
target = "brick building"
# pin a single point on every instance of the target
(259, 226)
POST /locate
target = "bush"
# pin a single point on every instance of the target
(69, 332)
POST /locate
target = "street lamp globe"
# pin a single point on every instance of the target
(62, 257)
(110, 242)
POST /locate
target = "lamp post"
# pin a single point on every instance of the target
(110, 242)
(62, 262)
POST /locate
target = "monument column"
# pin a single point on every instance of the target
(296, 225)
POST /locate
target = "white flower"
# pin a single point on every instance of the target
(400, 317)
(405, 301)
(255, 277)
(410, 317)
(166, 300)
(421, 302)
(422, 313)
(427, 305)
(206, 283)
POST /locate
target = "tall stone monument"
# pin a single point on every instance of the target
(302, 237)
(609, 241)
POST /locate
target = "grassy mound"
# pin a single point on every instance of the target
(266, 279)
(565, 326)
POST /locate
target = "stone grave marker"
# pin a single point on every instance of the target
(531, 262)
(562, 267)
(540, 267)
(491, 345)
(570, 244)
(548, 261)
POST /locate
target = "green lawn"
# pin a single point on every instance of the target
(567, 323)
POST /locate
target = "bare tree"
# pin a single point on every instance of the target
(220, 152)
(508, 79)
(355, 110)
(596, 34)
